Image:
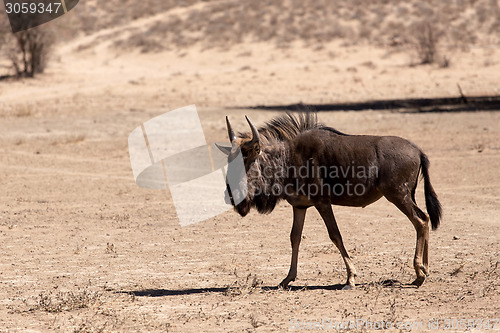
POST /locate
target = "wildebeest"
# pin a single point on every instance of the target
(297, 159)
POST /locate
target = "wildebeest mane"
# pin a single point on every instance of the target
(288, 126)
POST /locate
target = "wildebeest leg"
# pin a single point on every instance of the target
(326, 213)
(299, 215)
(426, 251)
(420, 221)
(421, 259)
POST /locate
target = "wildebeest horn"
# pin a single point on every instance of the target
(255, 132)
(230, 131)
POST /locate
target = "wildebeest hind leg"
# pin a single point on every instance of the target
(421, 223)
(299, 215)
(326, 213)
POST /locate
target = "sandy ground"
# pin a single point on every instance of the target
(83, 249)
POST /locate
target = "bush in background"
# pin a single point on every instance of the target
(27, 51)
(426, 42)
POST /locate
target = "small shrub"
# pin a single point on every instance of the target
(28, 51)
(426, 40)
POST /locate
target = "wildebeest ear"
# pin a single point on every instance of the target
(224, 149)
(256, 148)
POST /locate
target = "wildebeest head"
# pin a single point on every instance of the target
(239, 175)
(258, 162)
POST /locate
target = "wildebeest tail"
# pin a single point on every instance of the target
(431, 200)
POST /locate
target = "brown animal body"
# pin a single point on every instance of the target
(311, 165)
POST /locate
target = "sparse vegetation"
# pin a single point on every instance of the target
(28, 51)
(243, 286)
(224, 24)
(254, 322)
(110, 248)
(23, 110)
(69, 139)
(55, 302)
(88, 325)
(388, 23)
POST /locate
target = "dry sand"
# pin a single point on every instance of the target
(86, 250)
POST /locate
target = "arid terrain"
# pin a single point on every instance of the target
(84, 249)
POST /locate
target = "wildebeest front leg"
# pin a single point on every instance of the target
(299, 215)
(333, 231)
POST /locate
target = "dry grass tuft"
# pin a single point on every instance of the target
(88, 325)
(243, 286)
(110, 248)
(55, 302)
(69, 139)
(23, 111)
(74, 138)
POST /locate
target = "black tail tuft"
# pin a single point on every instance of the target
(431, 199)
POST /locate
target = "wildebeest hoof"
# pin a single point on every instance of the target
(285, 282)
(347, 287)
(418, 281)
(284, 287)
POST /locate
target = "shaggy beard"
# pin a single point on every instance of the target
(243, 208)
(260, 184)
